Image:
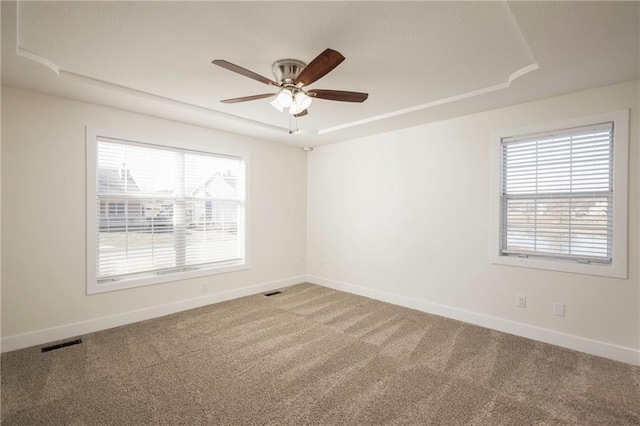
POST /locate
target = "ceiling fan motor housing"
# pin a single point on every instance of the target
(285, 71)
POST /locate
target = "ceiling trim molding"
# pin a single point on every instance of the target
(113, 86)
(28, 54)
(165, 100)
(162, 99)
(37, 58)
(516, 74)
(139, 93)
(124, 89)
(519, 73)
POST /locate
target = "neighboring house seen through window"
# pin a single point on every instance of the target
(162, 213)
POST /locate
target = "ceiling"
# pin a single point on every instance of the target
(419, 61)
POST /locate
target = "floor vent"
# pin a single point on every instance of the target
(61, 345)
(273, 293)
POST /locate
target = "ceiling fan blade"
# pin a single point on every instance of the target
(319, 67)
(338, 95)
(242, 71)
(247, 98)
(301, 113)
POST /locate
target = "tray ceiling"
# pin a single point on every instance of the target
(419, 61)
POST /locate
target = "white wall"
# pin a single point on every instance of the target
(405, 216)
(384, 216)
(43, 212)
(0, 215)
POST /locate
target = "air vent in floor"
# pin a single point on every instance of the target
(61, 345)
(273, 293)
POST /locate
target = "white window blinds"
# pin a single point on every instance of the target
(557, 194)
(162, 210)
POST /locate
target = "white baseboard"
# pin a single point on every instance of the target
(76, 329)
(593, 347)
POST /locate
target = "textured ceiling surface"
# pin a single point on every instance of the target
(419, 61)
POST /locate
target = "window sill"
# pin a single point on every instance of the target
(94, 288)
(613, 270)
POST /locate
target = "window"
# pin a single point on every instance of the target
(561, 196)
(160, 213)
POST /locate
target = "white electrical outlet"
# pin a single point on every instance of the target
(521, 301)
(558, 309)
(205, 287)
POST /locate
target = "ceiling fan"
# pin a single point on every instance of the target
(292, 76)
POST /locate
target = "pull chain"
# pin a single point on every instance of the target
(291, 129)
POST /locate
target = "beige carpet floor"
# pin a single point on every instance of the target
(313, 355)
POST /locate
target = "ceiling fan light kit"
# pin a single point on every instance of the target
(291, 76)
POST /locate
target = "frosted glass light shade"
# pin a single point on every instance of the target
(285, 98)
(303, 100)
(274, 103)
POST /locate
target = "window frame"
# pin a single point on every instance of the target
(93, 285)
(618, 266)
